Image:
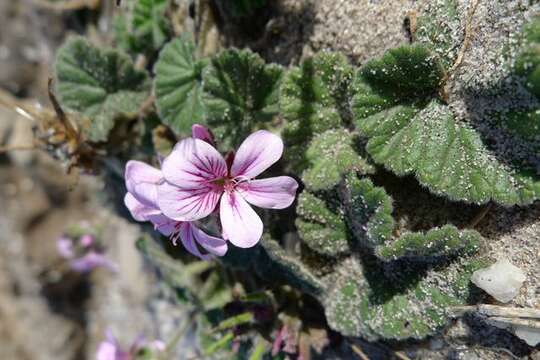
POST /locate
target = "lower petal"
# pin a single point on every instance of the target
(213, 245)
(188, 240)
(163, 224)
(272, 193)
(187, 205)
(239, 221)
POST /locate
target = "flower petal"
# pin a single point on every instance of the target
(188, 240)
(239, 221)
(193, 163)
(202, 132)
(64, 245)
(163, 224)
(92, 260)
(213, 245)
(106, 351)
(187, 204)
(141, 181)
(257, 153)
(138, 210)
(272, 193)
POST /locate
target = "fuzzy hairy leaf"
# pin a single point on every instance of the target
(410, 133)
(321, 227)
(314, 98)
(178, 85)
(444, 241)
(436, 28)
(526, 122)
(150, 26)
(528, 62)
(240, 94)
(360, 214)
(279, 265)
(331, 155)
(101, 84)
(361, 302)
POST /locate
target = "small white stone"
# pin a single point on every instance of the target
(501, 280)
(528, 334)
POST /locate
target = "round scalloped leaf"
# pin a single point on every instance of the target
(409, 133)
(444, 241)
(331, 155)
(150, 26)
(437, 26)
(281, 266)
(321, 225)
(368, 210)
(314, 98)
(178, 85)
(360, 301)
(102, 84)
(240, 94)
(526, 122)
(528, 62)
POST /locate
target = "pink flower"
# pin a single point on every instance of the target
(142, 181)
(111, 350)
(197, 177)
(83, 254)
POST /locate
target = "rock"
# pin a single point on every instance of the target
(501, 280)
(530, 335)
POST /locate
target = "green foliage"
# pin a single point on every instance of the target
(150, 26)
(277, 265)
(360, 214)
(242, 8)
(444, 241)
(436, 29)
(143, 27)
(314, 98)
(526, 122)
(362, 302)
(330, 155)
(101, 84)
(240, 94)
(321, 226)
(178, 85)
(410, 133)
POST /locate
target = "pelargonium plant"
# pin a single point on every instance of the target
(83, 252)
(195, 178)
(140, 349)
(379, 180)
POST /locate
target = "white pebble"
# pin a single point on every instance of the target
(501, 280)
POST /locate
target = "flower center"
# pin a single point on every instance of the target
(229, 184)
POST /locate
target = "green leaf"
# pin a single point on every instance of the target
(150, 26)
(361, 301)
(410, 132)
(359, 214)
(259, 350)
(178, 85)
(102, 84)
(444, 241)
(331, 155)
(526, 122)
(315, 98)
(234, 321)
(242, 8)
(282, 267)
(321, 225)
(240, 94)
(436, 29)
